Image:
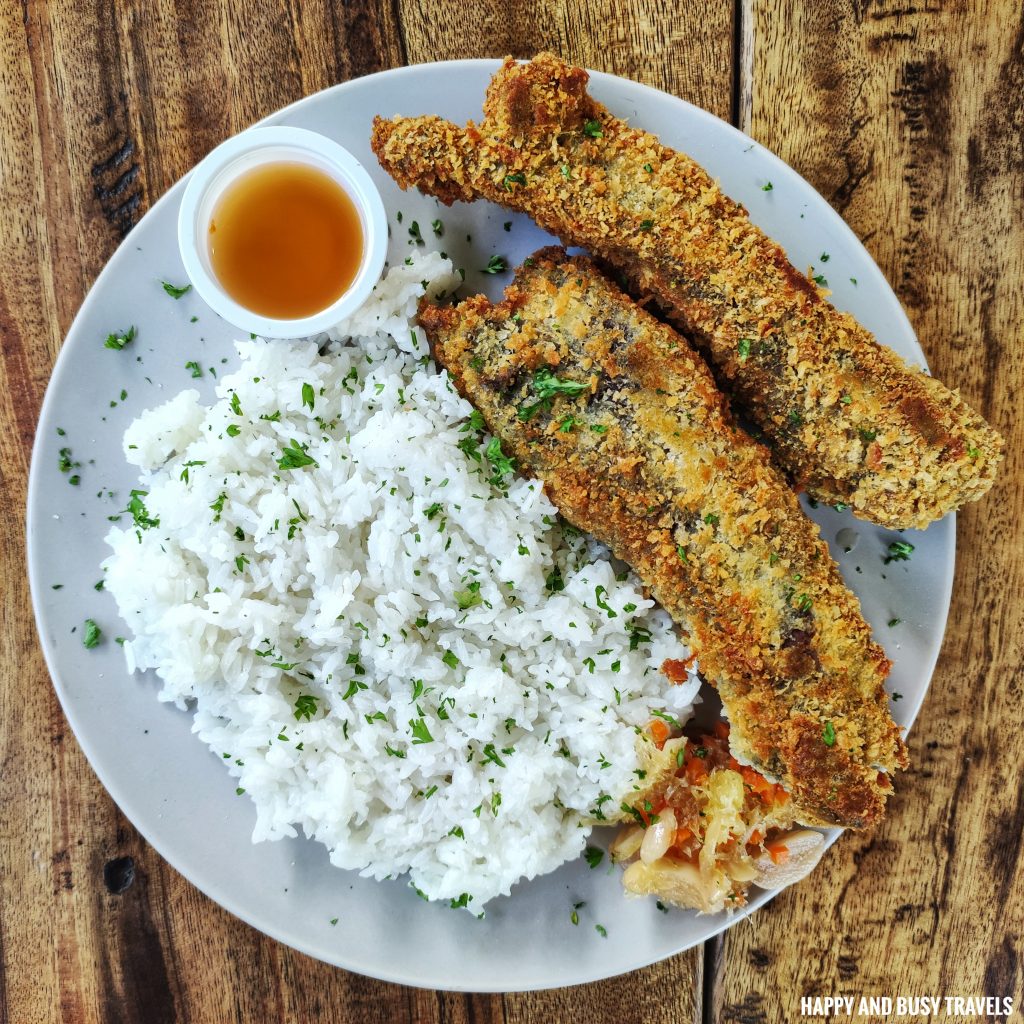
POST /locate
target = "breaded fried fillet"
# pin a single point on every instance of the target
(846, 417)
(623, 423)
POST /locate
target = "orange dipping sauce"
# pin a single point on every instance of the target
(285, 240)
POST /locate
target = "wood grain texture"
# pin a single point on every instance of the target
(909, 119)
(102, 107)
(907, 116)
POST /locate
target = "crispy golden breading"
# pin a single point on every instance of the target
(635, 444)
(846, 417)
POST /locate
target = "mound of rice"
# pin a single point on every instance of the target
(388, 637)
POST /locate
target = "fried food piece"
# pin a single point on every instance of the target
(623, 423)
(707, 827)
(846, 417)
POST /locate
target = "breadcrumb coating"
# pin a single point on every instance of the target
(625, 426)
(847, 419)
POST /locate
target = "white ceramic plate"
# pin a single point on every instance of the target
(175, 791)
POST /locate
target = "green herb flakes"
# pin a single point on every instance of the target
(118, 341)
(305, 707)
(176, 291)
(91, 635)
(295, 457)
(899, 551)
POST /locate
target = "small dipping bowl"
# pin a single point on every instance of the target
(257, 147)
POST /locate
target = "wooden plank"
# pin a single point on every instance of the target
(102, 107)
(908, 118)
(683, 49)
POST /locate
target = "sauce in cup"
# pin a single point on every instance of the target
(285, 240)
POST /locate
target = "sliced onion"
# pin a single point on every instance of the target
(658, 837)
(626, 843)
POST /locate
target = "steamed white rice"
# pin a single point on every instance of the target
(374, 643)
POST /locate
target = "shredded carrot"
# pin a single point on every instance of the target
(696, 771)
(682, 835)
(659, 731)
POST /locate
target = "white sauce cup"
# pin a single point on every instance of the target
(254, 148)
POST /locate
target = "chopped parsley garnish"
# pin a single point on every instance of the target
(137, 509)
(601, 930)
(599, 593)
(646, 225)
(666, 717)
(232, 430)
(899, 551)
(566, 173)
(450, 659)
(711, 519)
(743, 348)
(236, 405)
(681, 551)
(804, 602)
(598, 428)
(501, 464)
(819, 279)
(638, 635)
(648, 168)
(829, 734)
(767, 187)
(592, 129)
(518, 178)
(308, 396)
(64, 462)
(490, 754)
(470, 597)
(197, 370)
(894, 622)
(431, 510)
(437, 227)
(118, 341)
(867, 435)
(92, 635)
(295, 457)
(218, 506)
(176, 291)
(824, 257)
(187, 466)
(547, 385)
(420, 732)
(414, 233)
(462, 901)
(495, 265)
(593, 856)
(305, 707)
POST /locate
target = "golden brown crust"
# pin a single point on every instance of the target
(845, 416)
(645, 456)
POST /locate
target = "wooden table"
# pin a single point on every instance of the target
(908, 118)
